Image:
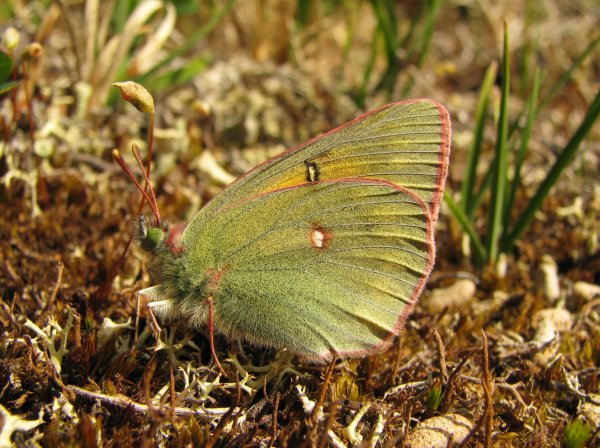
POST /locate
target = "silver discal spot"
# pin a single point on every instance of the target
(312, 171)
(319, 237)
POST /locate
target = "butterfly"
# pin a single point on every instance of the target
(322, 250)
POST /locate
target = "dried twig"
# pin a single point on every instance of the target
(396, 362)
(330, 418)
(52, 298)
(126, 402)
(274, 421)
(317, 409)
(441, 355)
(147, 378)
(316, 412)
(221, 425)
(488, 388)
(172, 394)
(451, 385)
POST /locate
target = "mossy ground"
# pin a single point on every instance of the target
(270, 86)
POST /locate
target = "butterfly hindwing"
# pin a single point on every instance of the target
(320, 268)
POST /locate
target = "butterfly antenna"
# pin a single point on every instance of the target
(151, 201)
(146, 174)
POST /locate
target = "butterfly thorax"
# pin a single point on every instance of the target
(173, 265)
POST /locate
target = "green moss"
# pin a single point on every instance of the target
(577, 433)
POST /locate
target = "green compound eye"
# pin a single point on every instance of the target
(153, 236)
(148, 237)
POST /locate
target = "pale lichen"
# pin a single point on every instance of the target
(51, 333)
(12, 423)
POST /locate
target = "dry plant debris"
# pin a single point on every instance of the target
(75, 370)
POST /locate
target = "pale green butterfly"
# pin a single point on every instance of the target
(322, 250)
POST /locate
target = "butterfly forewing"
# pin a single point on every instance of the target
(405, 143)
(330, 267)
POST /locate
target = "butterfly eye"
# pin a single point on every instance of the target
(148, 237)
(153, 237)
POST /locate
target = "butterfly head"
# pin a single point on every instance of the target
(149, 236)
(155, 238)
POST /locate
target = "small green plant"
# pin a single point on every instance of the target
(399, 42)
(434, 398)
(399, 47)
(577, 433)
(22, 163)
(130, 39)
(162, 75)
(6, 68)
(504, 227)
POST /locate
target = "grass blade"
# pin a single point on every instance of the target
(192, 41)
(468, 183)
(500, 172)
(361, 94)
(566, 76)
(387, 23)
(523, 148)
(465, 222)
(417, 45)
(564, 159)
(433, 10)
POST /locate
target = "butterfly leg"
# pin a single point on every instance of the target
(211, 334)
(149, 302)
(155, 326)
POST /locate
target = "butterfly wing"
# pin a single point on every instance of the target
(405, 143)
(321, 268)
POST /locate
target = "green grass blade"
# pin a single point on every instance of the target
(352, 12)
(192, 41)
(407, 41)
(479, 251)
(523, 148)
(483, 188)
(501, 160)
(387, 24)
(121, 13)
(359, 97)
(468, 182)
(417, 44)
(304, 9)
(566, 76)
(476, 201)
(433, 10)
(6, 86)
(6, 66)
(564, 159)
